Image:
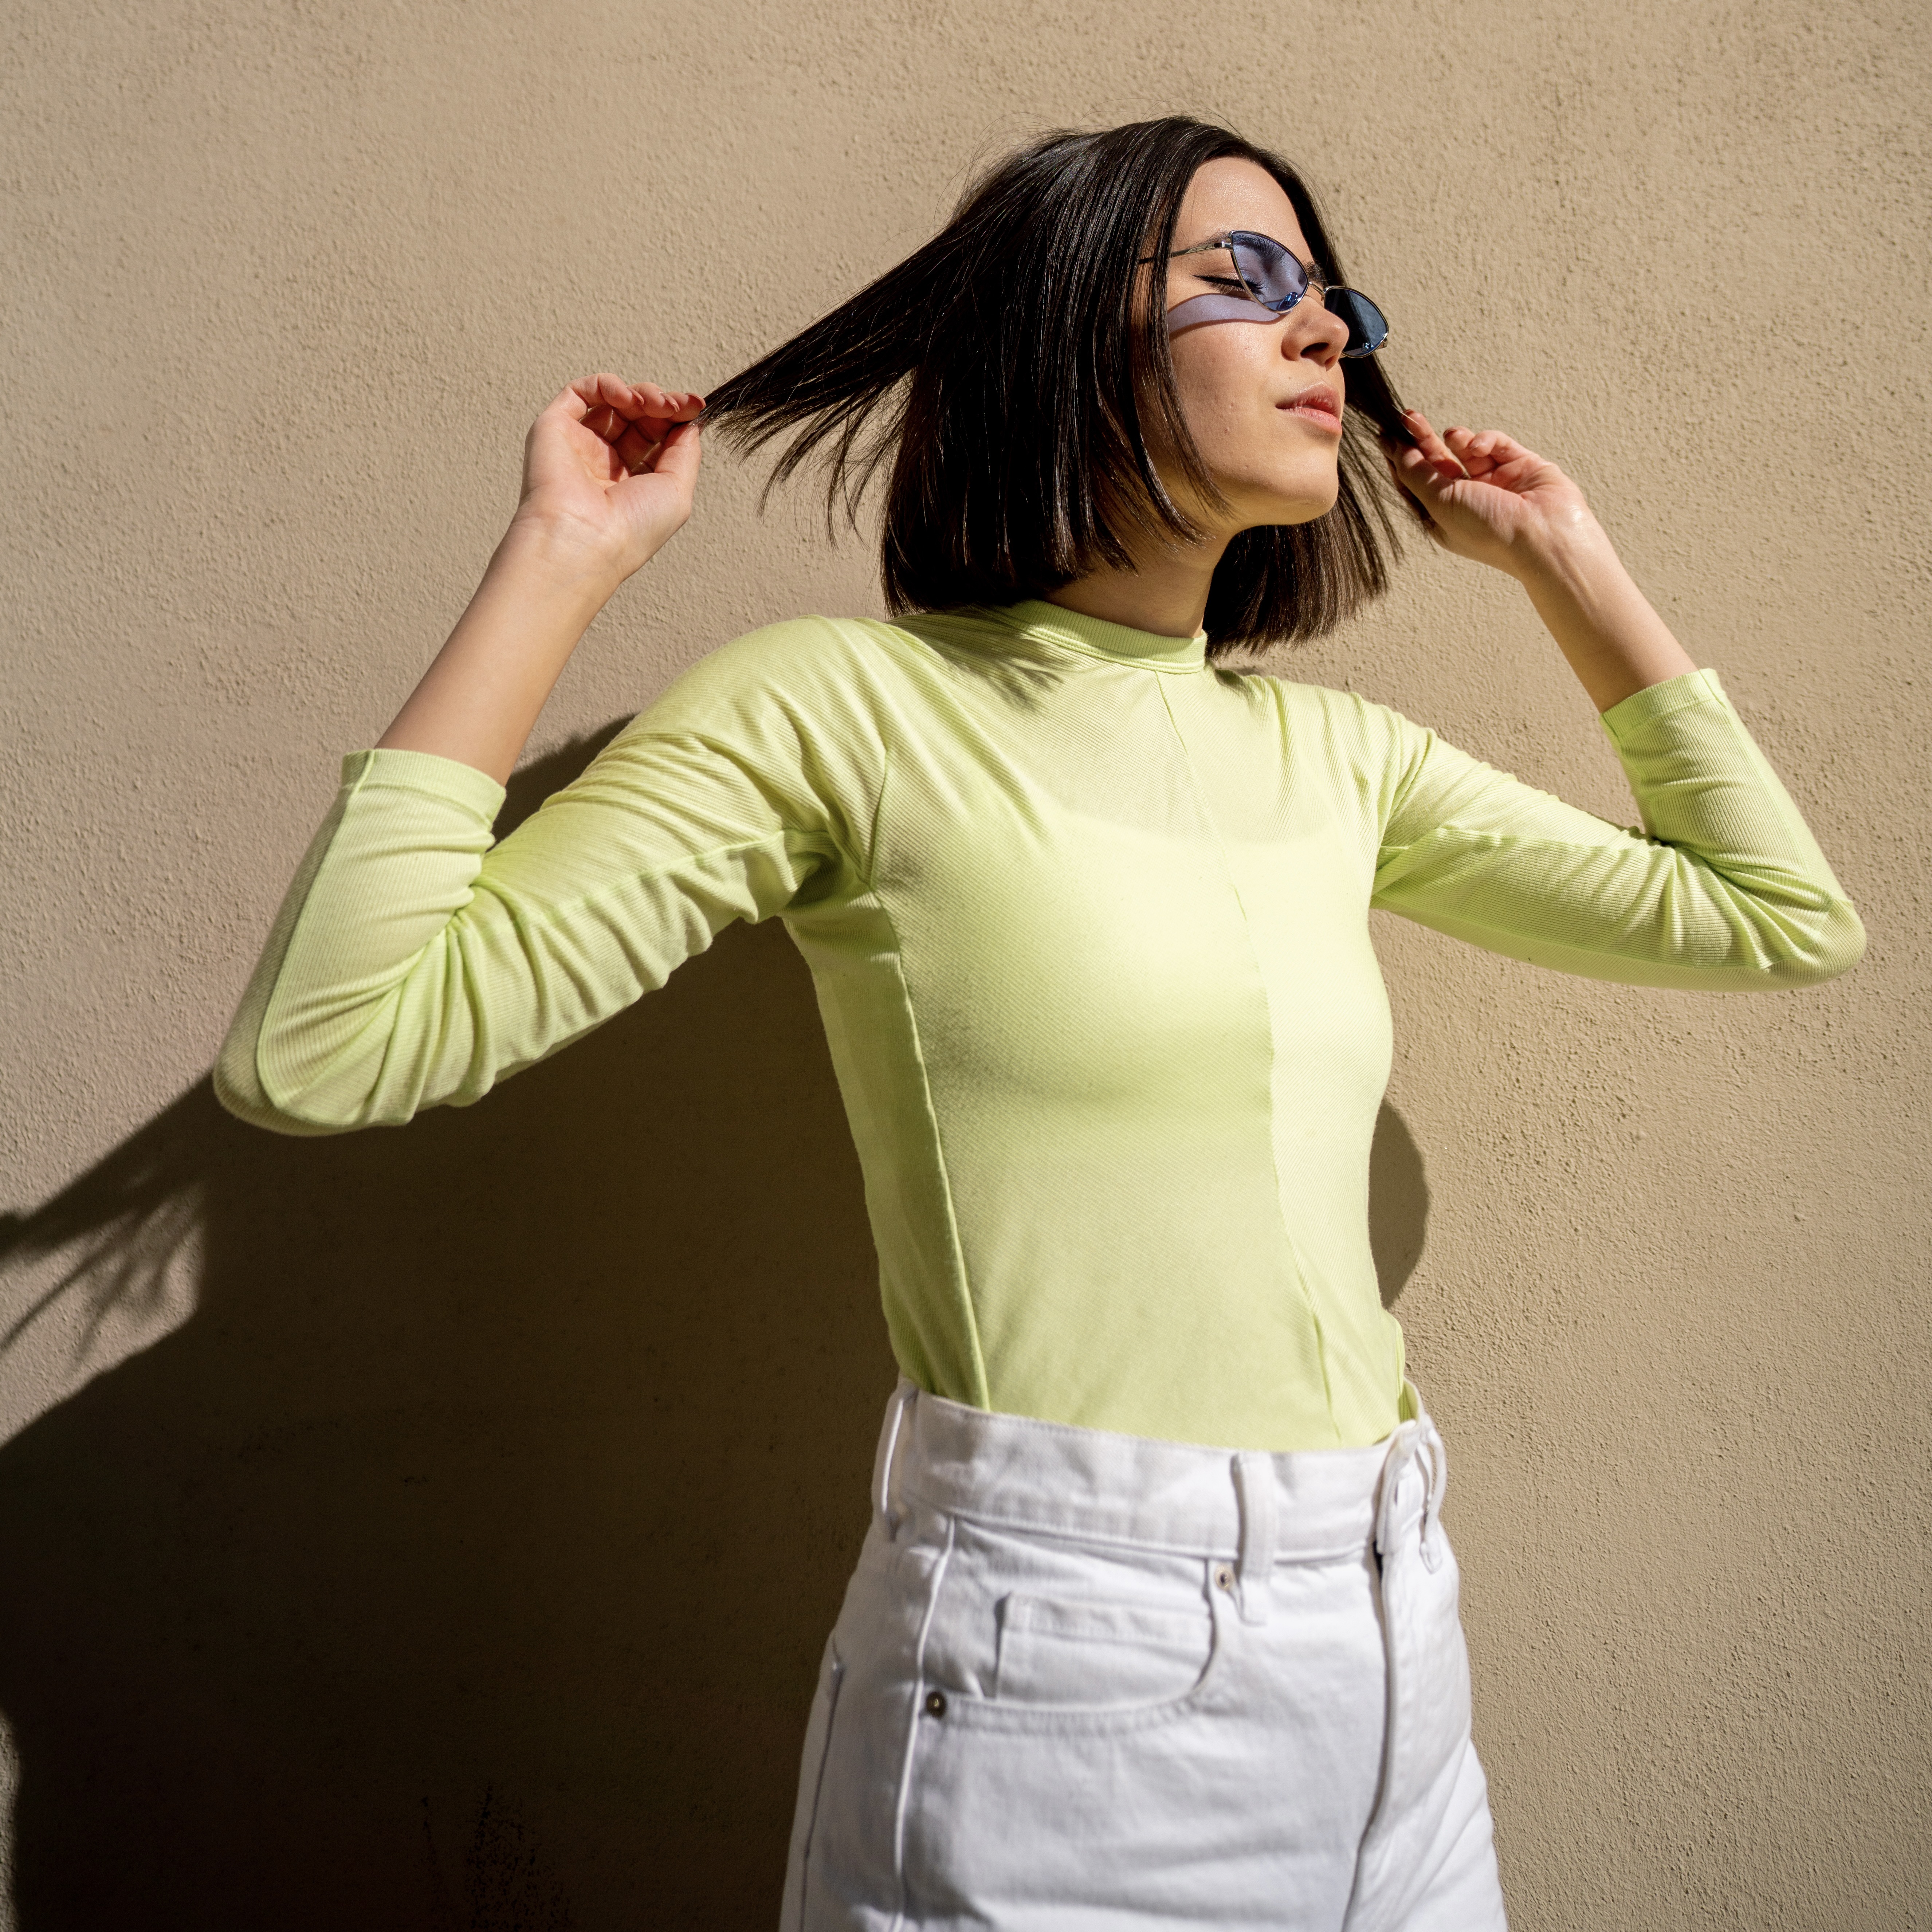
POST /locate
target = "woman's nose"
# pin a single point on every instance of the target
(1321, 338)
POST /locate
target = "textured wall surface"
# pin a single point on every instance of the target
(438, 1528)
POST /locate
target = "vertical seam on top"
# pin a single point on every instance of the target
(1268, 1008)
(982, 1394)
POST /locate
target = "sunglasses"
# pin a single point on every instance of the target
(1275, 278)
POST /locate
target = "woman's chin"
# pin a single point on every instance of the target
(1306, 506)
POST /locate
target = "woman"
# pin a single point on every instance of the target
(1155, 1624)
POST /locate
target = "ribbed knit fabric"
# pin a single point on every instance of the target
(1087, 919)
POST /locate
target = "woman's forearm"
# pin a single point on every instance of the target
(608, 471)
(1616, 642)
(480, 697)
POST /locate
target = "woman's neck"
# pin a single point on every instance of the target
(1164, 592)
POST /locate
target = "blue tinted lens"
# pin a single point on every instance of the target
(1368, 328)
(1276, 279)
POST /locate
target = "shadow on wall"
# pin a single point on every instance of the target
(463, 1556)
(1398, 1204)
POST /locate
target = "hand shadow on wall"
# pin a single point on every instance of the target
(463, 1557)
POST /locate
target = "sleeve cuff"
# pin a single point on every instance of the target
(448, 779)
(1659, 700)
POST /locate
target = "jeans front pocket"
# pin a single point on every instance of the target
(1079, 1728)
(1030, 1632)
(1057, 1651)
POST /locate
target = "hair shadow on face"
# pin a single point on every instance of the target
(454, 1542)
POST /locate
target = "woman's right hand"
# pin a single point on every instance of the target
(609, 470)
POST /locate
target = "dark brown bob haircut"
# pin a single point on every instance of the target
(1008, 373)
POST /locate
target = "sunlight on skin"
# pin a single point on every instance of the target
(1240, 383)
(1263, 401)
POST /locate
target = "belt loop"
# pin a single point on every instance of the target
(1414, 1442)
(1438, 1460)
(1395, 1466)
(1258, 1492)
(883, 1513)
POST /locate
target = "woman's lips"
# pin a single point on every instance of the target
(1319, 404)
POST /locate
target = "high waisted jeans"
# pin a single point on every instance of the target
(1084, 1681)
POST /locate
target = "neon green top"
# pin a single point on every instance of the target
(1088, 922)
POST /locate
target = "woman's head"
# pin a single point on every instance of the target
(1016, 379)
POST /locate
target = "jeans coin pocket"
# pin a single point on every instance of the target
(1068, 1654)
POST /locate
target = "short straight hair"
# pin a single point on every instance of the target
(1004, 376)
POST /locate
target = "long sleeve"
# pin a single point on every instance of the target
(1724, 887)
(415, 962)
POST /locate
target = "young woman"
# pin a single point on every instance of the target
(1155, 1624)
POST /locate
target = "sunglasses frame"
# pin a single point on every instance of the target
(1322, 289)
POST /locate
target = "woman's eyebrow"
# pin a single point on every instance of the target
(1220, 240)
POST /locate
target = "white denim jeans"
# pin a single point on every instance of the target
(1086, 1682)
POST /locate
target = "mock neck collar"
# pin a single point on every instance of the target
(1095, 638)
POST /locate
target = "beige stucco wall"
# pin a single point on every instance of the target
(453, 1544)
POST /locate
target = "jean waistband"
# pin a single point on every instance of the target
(1053, 1478)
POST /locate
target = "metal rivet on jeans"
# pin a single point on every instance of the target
(935, 1703)
(1224, 1576)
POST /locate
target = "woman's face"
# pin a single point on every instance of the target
(1263, 400)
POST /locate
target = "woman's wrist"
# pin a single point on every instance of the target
(555, 559)
(1573, 555)
(1615, 642)
(581, 529)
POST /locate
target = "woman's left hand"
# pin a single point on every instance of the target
(1490, 499)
